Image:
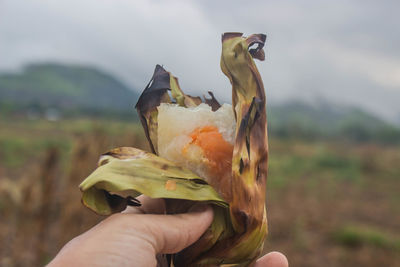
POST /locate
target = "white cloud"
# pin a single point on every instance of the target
(378, 68)
(312, 47)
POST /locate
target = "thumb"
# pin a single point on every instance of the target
(169, 234)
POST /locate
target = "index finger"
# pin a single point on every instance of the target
(148, 206)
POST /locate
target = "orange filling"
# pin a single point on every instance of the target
(170, 185)
(215, 148)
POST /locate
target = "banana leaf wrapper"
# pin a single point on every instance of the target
(238, 231)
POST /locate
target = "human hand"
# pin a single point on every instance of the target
(137, 235)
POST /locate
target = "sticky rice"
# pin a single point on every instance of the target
(197, 138)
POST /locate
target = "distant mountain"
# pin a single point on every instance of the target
(325, 120)
(68, 88)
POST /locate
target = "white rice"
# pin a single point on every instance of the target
(175, 124)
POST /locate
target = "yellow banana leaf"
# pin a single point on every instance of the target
(132, 172)
(237, 233)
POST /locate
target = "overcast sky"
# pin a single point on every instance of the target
(341, 51)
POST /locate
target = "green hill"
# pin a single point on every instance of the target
(324, 120)
(67, 88)
(76, 91)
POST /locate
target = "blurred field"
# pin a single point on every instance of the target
(329, 203)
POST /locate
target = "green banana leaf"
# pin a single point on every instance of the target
(125, 173)
(237, 233)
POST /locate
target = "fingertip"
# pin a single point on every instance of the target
(272, 259)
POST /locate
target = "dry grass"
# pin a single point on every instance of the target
(320, 217)
(328, 204)
(40, 200)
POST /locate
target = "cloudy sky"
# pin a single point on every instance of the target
(341, 51)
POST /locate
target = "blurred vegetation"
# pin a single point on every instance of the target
(356, 236)
(330, 200)
(332, 191)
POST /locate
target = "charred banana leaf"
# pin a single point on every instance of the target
(237, 233)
